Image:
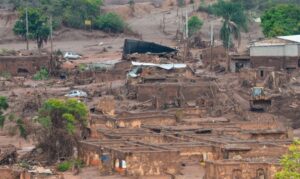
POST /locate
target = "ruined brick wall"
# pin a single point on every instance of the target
(110, 76)
(138, 163)
(192, 91)
(201, 153)
(245, 170)
(148, 91)
(168, 92)
(89, 154)
(259, 137)
(277, 62)
(101, 76)
(20, 65)
(137, 121)
(155, 139)
(153, 163)
(258, 150)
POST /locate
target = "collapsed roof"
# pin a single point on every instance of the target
(137, 46)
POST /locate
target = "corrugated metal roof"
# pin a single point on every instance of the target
(293, 38)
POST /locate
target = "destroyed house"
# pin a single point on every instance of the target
(282, 52)
(137, 46)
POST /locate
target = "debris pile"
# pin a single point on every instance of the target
(8, 154)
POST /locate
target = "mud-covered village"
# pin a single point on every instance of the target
(149, 89)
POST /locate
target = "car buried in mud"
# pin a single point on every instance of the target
(71, 55)
(76, 93)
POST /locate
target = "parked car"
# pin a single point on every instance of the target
(71, 55)
(76, 93)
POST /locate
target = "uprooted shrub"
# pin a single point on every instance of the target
(61, 123)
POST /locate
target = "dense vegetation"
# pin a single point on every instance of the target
(38, 28)
(74, 13)
(262, 5)
(290, 163)
(281, 20)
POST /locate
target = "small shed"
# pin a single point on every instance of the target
(239, 62)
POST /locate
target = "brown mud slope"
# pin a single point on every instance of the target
(7, 21)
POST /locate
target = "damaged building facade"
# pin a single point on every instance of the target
(280, 53)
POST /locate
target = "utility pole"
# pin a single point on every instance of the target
(186, 24)
(186, 40)
(228, 57)
(51, 43)
(27, 33)
(211, 44)
(51, 35)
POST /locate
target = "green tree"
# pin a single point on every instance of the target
(3, 106)
(281, 20)
(110, 22)
(194, 25)
(290, 163)
(234, 20)
(37, 26)
(61, 121)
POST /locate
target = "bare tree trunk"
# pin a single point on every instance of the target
(228, 59)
